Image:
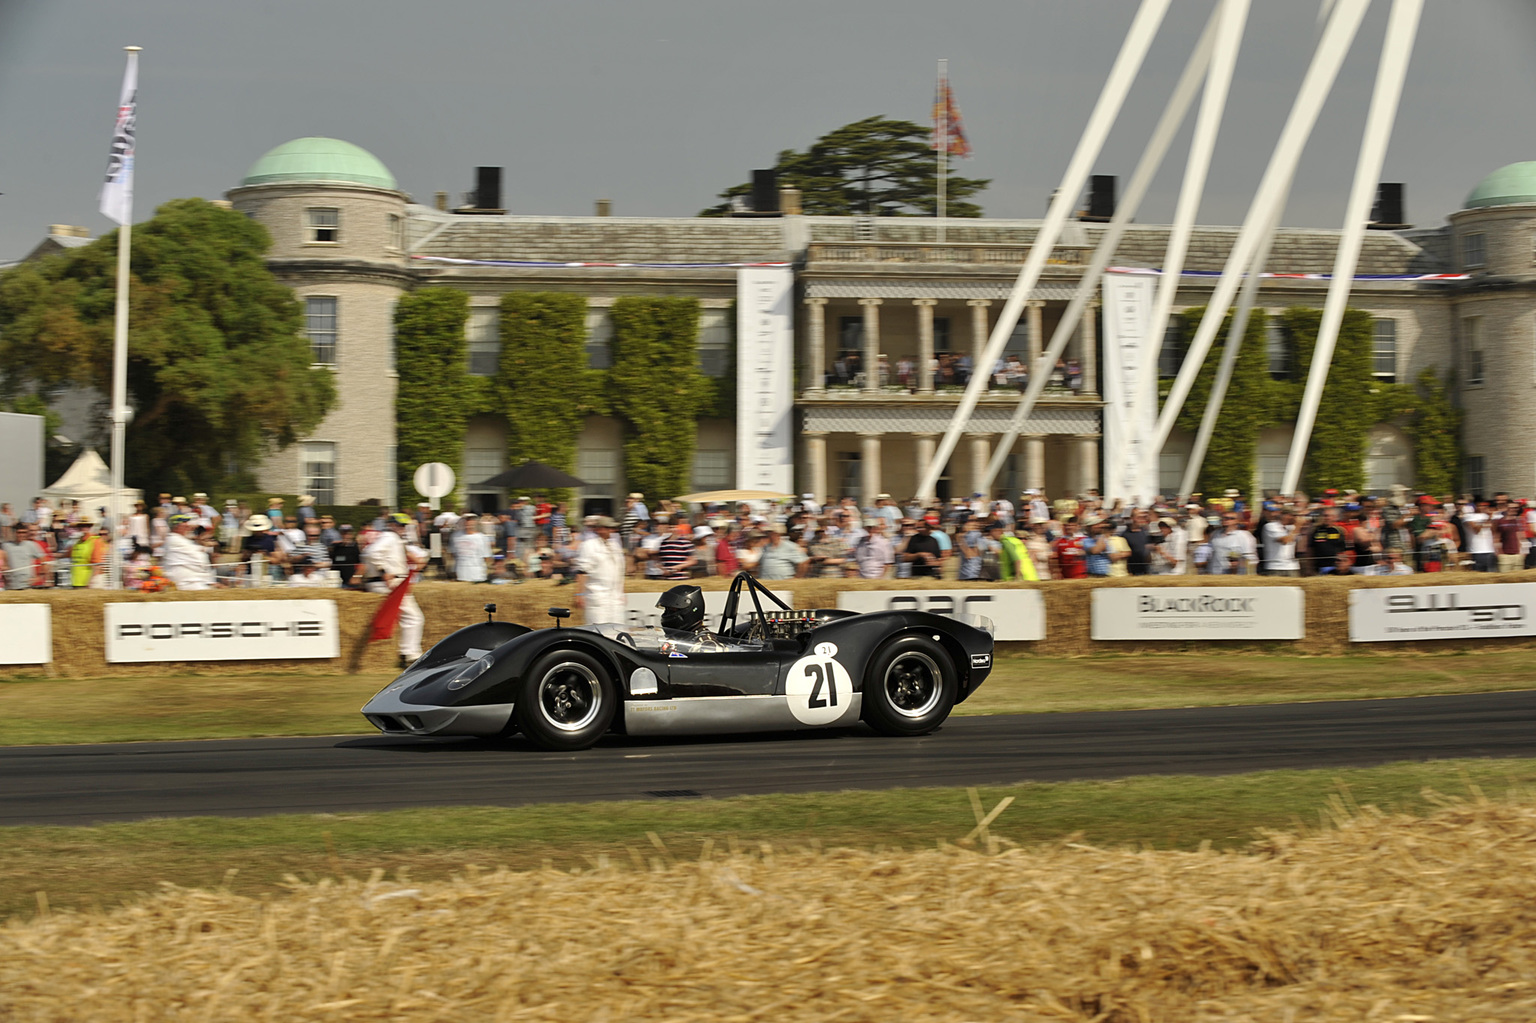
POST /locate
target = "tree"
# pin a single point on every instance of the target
(873, 167)
(218, 370)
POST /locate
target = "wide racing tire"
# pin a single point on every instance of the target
(910, 687)
(566, 701)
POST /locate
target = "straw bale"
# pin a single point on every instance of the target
(1384, 918)
(79, 638)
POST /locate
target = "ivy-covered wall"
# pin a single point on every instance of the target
(656, 389)
(542, 381)
(432, 403)
(1353, 402)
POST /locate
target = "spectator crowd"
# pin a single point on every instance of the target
(193, 545)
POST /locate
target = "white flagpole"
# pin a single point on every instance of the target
(1121, 75)
(1402, 24)
(943, 143)
(117, 203)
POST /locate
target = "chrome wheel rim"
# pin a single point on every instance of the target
(913, 684)
(570, 696)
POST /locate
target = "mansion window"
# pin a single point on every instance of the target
(1384, 350)
(320, 471)
(1476, 475)
(1171, 356)
(714, 342)
(711, 470)
(484, 341)
(397, 232)
(1473, 251)
(941, 341)
(320, 325)
(1472, 344)
(599, 339)
(1277, 346)
(324, 224)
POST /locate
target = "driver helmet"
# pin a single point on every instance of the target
(682, 608)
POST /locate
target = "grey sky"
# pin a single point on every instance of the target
(659, 104)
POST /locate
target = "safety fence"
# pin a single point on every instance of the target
(83, 633)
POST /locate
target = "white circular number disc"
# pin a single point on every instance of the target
(818, 687)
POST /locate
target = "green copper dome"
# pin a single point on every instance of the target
(320, 161)
(1505, 187)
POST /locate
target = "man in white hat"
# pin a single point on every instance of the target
(184, 561)
(389, 563)
(600, 566)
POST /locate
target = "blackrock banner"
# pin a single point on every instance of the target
(1442, 612)
(26, 634)
(1016, 614)
(1179, 613)
(642, 607)
(765, 347)
(222, 630)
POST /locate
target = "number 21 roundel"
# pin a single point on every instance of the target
(819, 689)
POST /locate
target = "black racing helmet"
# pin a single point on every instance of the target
(682, 608)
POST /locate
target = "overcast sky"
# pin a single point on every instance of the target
(659, 104)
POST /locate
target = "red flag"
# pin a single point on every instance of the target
(948, 131)
(388, 614)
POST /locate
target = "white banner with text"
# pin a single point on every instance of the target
(26, 634)
(1180, 613)
(1442, 612)
(222, 630)
(765, 346)
(1016, 614)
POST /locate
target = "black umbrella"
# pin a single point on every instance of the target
(531, 476)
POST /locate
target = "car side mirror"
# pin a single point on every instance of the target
(490, 612)
(558, 613)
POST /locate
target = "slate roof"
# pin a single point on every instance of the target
(600, 239)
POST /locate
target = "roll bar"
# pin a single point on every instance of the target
(733, 599)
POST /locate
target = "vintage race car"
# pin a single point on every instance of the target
(901, 672)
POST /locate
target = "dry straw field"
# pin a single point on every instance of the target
(79, 641)
(1380, 918)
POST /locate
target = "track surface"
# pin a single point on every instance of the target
(244, 777)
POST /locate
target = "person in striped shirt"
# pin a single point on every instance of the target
(677, 554)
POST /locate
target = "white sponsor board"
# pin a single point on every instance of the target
(1130, 411)
(26, 634)
(643, 610)
(1182, 613)
(765, 347)
(1016, 614)
(222, 630)
(1442, 612)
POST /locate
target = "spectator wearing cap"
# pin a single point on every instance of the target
(389, 564)
(809, 505)
(676, 552)
(184, 561)
(1171, 557)
(782, 558)
(1068, 559)
(874, 554)
(259, 541)
(886, 509)
(1478, 529)
(601, 567)
(1509, 529)
(1104, 550)
(471, 551)
(635, 511)
(346, 556)
(87, 555)
(1279, 538)
(1233, 551)
(971, 535)
(1140, 538)
(923, 552)
(1326, 541)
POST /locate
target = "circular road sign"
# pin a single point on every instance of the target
(434, 479)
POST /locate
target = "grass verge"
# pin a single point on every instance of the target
(112, 864)
(43, 711)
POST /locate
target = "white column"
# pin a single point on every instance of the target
(871, 360)
(1090, 349)
(979, 307)
(926, 443)
(816, 464)
(1033, 309)
(925, 344)
(1034, 461)
(981, 454)
(869, 466)
(816, 348)
(1087, 463)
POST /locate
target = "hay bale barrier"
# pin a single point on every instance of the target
(79, 638)
(1380, 917)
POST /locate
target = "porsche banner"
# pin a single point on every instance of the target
(1442, 612)
(765, 350)
(1016, 614)
(26, 634)
(222, 630)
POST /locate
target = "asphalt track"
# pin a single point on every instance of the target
(247, 777)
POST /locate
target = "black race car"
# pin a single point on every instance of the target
(901, 672)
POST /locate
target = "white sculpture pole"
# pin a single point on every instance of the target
(1178, 106)
(1132, 52)
(1402, 25)
(1315, 86)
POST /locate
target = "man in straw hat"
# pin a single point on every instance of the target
(389, 565)
(601, 565)
(184, 561)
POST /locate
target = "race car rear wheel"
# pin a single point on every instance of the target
(567, 701)
(910, 688)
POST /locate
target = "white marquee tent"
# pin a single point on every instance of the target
(89, 481)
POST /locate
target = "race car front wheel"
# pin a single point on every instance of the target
(910, 688)
(567, 701)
